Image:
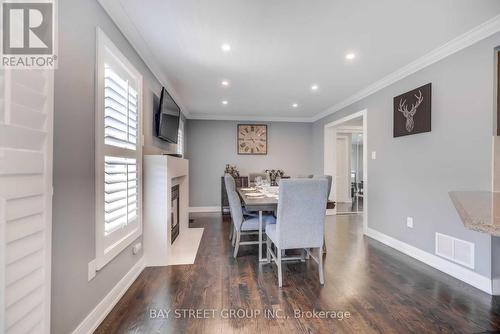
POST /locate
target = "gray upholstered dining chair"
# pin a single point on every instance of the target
(229, 182)
(242, 224)
(300, 221)
(231, 186)
(329, 178)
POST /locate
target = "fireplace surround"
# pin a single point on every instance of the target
(166, 204)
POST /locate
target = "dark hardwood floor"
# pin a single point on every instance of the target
(383, 290)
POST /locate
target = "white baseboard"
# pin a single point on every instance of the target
(97, 315)
(454, 270)
(204, 209)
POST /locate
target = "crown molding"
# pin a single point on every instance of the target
(119, 16)
(248, 118)
(461, 42)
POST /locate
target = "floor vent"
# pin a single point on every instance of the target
(456, 250)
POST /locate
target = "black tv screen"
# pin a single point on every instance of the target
(167, 118)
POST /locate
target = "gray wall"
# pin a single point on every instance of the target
(412, 175)
(212, 144)
(73, 209)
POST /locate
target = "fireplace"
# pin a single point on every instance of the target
(166, 203)
(174, 221)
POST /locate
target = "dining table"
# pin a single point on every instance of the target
(263, 199)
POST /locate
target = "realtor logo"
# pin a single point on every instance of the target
(28, 34)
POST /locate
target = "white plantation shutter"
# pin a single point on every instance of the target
(120, 111)
(118, 152)
(120, 193)
(26, 114)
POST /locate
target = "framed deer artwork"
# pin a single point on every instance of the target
(412, 111)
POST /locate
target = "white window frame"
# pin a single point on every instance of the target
(108, 247)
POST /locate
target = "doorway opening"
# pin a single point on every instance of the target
(345, 158)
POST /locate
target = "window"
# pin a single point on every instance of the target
(180, 138)
(118, 151)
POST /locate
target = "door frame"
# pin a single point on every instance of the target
(330, 152)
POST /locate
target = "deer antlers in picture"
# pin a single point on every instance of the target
(408, 114)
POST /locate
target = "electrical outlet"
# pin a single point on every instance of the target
(92, 269)
(409, 222)
(137, 247)
(374, 155)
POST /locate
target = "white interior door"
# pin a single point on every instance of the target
(343, 163)
(26, 118)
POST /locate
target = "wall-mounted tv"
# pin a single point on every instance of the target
(167, 118)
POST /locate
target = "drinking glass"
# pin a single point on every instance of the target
(258, 181)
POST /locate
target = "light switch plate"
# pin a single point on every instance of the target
(374, 155)
(409, 222)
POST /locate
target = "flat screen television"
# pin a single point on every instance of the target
(167, 118)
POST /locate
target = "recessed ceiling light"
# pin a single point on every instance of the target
(224, 102)
(350, 56)
(225, 47)
(295, 105)
(314, 87)
(224, 83)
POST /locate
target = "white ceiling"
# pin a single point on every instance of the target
(280, 48)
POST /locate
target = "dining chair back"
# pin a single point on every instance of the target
(300, 221)
(230, 186)
(329, 178)
(229, 182)
(234, 201)
(301, 213)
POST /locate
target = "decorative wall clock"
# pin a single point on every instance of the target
(252, 139)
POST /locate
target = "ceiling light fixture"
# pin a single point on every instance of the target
(314, 87)
(224, 102)
(224, 83)
(295, 105)
(225, 47)
(350, 56)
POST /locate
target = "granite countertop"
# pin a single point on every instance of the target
(479, 210)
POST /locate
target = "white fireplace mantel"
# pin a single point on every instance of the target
(161, 173)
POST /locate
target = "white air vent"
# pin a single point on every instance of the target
(456, 250)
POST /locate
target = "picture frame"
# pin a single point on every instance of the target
(412, 111)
